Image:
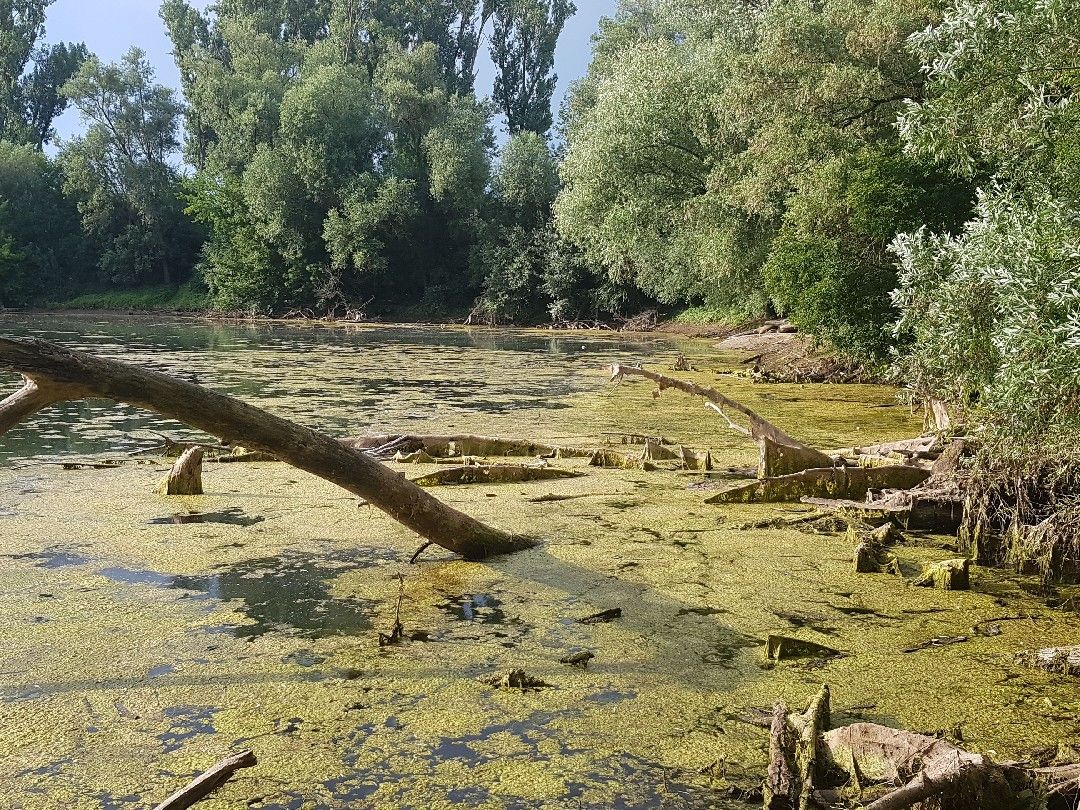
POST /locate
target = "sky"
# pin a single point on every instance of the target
(110, 27)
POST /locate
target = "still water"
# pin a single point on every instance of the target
(339, 379)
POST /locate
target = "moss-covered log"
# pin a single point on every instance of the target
(55, 374)
(847, 483)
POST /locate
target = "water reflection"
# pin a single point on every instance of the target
(334, 378)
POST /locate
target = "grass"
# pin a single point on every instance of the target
(190, 297)
(712, 315)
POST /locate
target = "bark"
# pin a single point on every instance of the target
(57, 373)
(185, 478)
(205, 784)
(493, 474)
(780, 453)
(780, 780)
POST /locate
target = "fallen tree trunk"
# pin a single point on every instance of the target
(55, 374)
(846, 483)
(884, 768)
(780, 454)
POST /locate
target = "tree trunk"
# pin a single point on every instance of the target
(56, 374)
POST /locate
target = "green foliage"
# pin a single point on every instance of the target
(523, 43)
(31, 75)
(830, 270)
(993, 315)
(119, 172)
(45, 254)
(702, 131)
(190, 297)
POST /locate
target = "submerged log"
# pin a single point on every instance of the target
(55, 374)
(780, 454)
(205, 784)
(453, 446)
(493, 474)
(185, 477)
(848, 483)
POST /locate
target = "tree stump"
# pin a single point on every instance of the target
(947, 575)
(185, 477)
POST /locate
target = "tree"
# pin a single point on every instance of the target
(22, 23)
(120, 171)
(30, 100)
(523, 44)
(45, 253)
(993, 313)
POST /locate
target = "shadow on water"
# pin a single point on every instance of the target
(480, 608)
(290, 593)
(228, 517)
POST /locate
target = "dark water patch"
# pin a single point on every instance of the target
(229, 517)
(291, 593)
(480, 608)
(134, 576)
(52, 558)
(161, 670)
(187, 722)
(611, 696)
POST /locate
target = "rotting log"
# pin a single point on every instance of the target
(934, 768)
(493, 474)
(185, 477)
(884, 768)
(1060, 660)
(780, 454)
(56, 374)
(206, 783)
(846, 483)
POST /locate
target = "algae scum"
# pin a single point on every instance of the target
(144, 638)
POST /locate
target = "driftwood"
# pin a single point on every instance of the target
(55, 374)
(780, 454)
(1061, 660)
(848, 483)
(795, 755)
(493, 474)
(456, 446)
(205, 784)
(185, 477)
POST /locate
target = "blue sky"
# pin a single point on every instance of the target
(110, 27)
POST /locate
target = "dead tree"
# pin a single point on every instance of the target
(56, 374)
(781, 454)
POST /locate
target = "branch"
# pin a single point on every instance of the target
(58, 373)
(206, 783)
